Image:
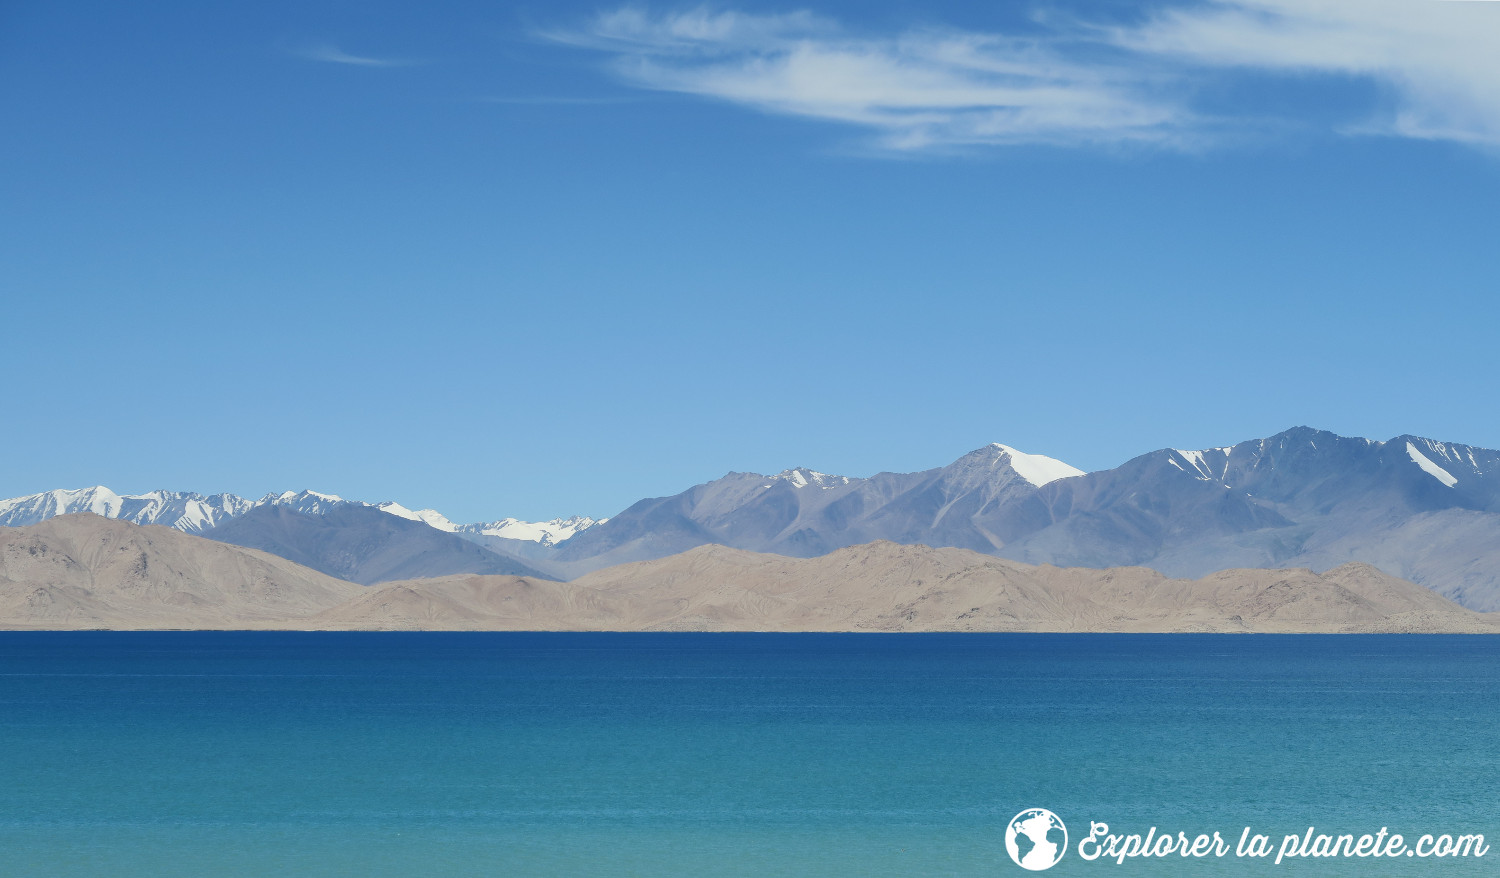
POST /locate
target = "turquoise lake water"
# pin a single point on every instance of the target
(257, 754)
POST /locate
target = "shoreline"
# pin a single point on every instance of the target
(8, 629)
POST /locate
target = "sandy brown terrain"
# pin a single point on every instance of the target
(84, 571)
(89, 572)
(888, 587)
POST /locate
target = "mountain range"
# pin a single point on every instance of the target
(194, 513)
(85, 571)
(1416, 508)
(362, 544)
(353, 540)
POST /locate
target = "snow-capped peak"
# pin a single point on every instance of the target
(1038, 469)
(430, 517)
(801, 477)
(545, 532)
(191, 513)
(437, 519)
(1207, 466)
(310, 502)
(548, 533)
(289, 496)
(396, 509)
(36, 507)
(196, 513)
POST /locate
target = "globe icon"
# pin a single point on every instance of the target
(1036, 839)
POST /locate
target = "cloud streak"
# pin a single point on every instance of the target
(1077, 84)
(1440, 62)
(919, 90)
(331, 54)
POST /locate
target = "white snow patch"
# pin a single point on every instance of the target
(314, 495)
(1429, 467)
(98, 500)
(801, 477)
(1038, 469)
(436, 519)
(396, 509)
(547, 533)
(1198, 463)
(430, 517)
(516, 529)
(309, 502)
(196, 516)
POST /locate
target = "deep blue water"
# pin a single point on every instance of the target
(316, 754)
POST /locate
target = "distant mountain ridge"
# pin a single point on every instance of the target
(348, 539)
(86, 572)
(804, 513)
(546, 533)
(195, 513)
(363, 544)
(1416, 508)
(187, 512)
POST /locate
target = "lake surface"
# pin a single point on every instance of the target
(384, 754)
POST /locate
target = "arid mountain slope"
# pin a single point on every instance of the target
(888, 587)
(363, 544)
(85, 571)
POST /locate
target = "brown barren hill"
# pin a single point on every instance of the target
(84, 571)
(884, 586)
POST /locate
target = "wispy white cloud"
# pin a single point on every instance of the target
(1076, 84)
(694, 31)
(915, 90)
(1439, 61)
(331, 54)
(551, 100)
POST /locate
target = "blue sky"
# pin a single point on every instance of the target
(537, 260)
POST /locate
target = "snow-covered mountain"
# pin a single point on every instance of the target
(196, 513)
(547, 533)
(431, 517)
(1418, 508)
(306, 502)
(22, 511)
(1035, 468)
(802, 477)
(544, 533)
(184, 511)
(188, 512)
(802, 512)
(362, 543)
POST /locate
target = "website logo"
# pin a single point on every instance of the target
(1036, 839)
